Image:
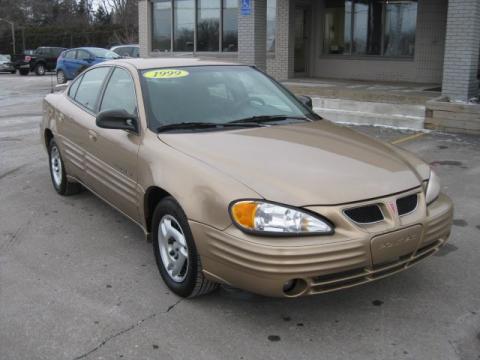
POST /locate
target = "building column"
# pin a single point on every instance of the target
(252, 34)
(462, 48)
(145, 27)
(281, 65)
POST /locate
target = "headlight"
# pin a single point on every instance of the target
(433, 188)
(264, 218)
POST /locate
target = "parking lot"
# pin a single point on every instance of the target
(79, 281)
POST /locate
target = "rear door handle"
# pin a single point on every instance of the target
(92, 135)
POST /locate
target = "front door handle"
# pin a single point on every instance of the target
(92, 135)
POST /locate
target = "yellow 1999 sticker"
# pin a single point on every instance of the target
(165, 74)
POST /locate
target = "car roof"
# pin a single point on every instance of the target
(151, 63)
(124, 45)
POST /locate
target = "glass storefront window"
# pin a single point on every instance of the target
(400, 24)
(370, 27)
(338, 28)
(208, 25)
(230, 26)
(271, 24)
(162, 25)
(184, 25)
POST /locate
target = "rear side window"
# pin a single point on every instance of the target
(74, 87)
(120, 93)
(82, 55)
(70, 54)
(90, 86)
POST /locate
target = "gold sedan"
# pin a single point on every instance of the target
(237, 181)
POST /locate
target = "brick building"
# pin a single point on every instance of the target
(421, 41)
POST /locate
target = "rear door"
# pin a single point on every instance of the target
(112, 154)
(69, 63)
(78, 117)
(83, 61)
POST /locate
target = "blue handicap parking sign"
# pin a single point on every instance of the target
(246, 8)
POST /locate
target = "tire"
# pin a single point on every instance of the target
(13, 72)
(40, 69)
(57, 172)
(24, 72)
(189, 280)
(61, 78)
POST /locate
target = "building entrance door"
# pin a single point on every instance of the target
(301, 40)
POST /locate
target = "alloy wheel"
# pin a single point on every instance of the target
(173, 248)
(56, 166)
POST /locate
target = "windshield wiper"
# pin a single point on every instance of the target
(268, 118)
(203, 125)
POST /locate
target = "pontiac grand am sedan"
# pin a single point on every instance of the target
(239, 182)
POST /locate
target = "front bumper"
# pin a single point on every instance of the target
(353, 255)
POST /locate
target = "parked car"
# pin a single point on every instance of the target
(238, 181)
(72, 62)
(6, 65)
(43, 59)
(127, 51)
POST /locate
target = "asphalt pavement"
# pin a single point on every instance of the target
(79, 281)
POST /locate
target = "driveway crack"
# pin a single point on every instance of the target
(124, 331)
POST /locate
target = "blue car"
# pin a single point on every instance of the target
(72, 62)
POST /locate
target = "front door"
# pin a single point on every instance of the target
(112, 155)
(301, 40)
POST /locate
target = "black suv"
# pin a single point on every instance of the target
(43, 59)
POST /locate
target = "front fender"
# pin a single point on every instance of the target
(203, 191)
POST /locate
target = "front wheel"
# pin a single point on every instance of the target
(57, 172)
(24, 72)
(40, 70)
(175, 252)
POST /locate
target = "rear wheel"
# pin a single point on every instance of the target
(175, 252)
(40, 69)
(61, 78)
(58, 174)
(24, 72)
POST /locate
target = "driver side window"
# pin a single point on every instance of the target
(120, 93)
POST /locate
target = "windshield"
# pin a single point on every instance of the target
(215, 94)
(105, 54)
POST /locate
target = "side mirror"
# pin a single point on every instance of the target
(118, 120)
(306, 100)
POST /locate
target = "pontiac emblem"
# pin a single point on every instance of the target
(392, 208)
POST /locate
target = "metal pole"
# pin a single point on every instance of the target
(23, 39)
(13, 37)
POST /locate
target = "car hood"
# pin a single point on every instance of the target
(316, 163)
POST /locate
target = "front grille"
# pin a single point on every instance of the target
(407, 204)
(365, 214)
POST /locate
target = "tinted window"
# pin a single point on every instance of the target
(83, 55)
(89, 89)
(120, 93)
(136, 52)
(230, 25)
(162, 25)
(183, 29)
(74, 87)
(208, 25)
